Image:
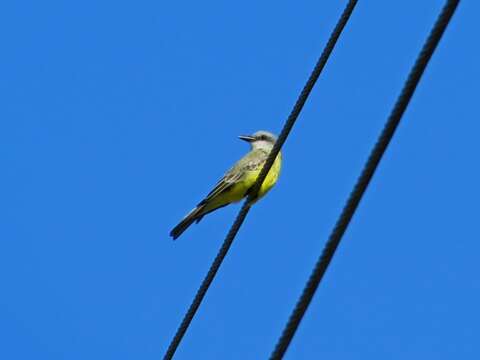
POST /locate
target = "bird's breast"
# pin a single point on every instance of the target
(272, 176)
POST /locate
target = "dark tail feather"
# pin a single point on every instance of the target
(186, 222)
(197, 220)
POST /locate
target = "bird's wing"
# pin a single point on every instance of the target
(249, 162)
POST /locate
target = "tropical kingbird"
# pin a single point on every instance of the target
(237, 182)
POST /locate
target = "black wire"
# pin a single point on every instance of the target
(297, 108)
(252, 194)
(364, 179)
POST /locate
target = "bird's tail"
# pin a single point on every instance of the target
(192, 216)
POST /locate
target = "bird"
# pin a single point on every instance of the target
(238, 181)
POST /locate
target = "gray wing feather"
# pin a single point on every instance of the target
(249, 162)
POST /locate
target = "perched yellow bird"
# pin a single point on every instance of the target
(236, 183)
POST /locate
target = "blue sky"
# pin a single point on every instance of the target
(117, 118)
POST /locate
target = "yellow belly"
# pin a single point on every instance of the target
(271, 178)
(238, 191)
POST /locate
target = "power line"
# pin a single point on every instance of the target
(252, 194)
(364, 179)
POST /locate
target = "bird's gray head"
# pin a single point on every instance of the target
(260, 140)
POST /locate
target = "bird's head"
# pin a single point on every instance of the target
(260, 140)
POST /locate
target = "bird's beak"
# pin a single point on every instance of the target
(247, 138)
